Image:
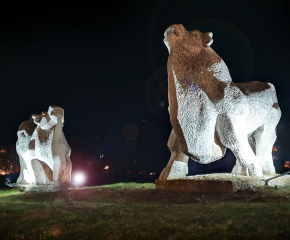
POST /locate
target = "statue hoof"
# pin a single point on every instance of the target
(255, 170)
(178, 170)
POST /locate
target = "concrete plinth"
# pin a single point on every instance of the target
(40, 188)
(220, 182)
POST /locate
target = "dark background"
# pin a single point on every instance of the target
(106, 66)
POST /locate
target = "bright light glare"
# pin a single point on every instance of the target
(79, 178)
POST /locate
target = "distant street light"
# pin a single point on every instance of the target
(106, 167)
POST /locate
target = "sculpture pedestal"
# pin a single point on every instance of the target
(40, 188)
(220, 182)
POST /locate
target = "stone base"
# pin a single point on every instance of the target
(281, 182)
(40, 188)
(220, 182)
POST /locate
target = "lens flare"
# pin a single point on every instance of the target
(79, 178)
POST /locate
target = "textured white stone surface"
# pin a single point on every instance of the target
(210, 113)
(178, 170)
(198, 127)
(241, 182)
(43, 149)
(41, 143)
(280, 182)
(26, 187)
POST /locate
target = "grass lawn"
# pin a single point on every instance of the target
(139, 211)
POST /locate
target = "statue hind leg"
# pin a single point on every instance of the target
(177, 166)
(252, 139)
(264, 147)
(265, 142)
(233, 136)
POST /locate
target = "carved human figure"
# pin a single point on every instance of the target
(43, 150)
(209, 112)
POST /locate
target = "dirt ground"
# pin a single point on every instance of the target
(128, 195)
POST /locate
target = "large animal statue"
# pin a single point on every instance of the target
(209, 112)
(43, 150)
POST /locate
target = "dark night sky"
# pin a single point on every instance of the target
(106, 66)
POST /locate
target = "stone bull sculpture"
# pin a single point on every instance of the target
(43, 150)
(209, 112)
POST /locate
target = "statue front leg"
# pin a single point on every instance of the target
(28, 173)
(22, 167)
(56, 169)
(177, 166)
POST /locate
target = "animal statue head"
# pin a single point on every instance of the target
(178, 38)
(50, 118)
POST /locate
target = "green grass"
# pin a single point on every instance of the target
(9, 192)
(139, 211)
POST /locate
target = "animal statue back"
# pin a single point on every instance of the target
(210, 113)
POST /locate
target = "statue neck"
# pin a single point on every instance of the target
(198, 67)
(183, 59)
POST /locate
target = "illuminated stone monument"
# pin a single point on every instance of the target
(43, 151)
(210, 113)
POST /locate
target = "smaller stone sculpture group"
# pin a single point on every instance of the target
(43, 151)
